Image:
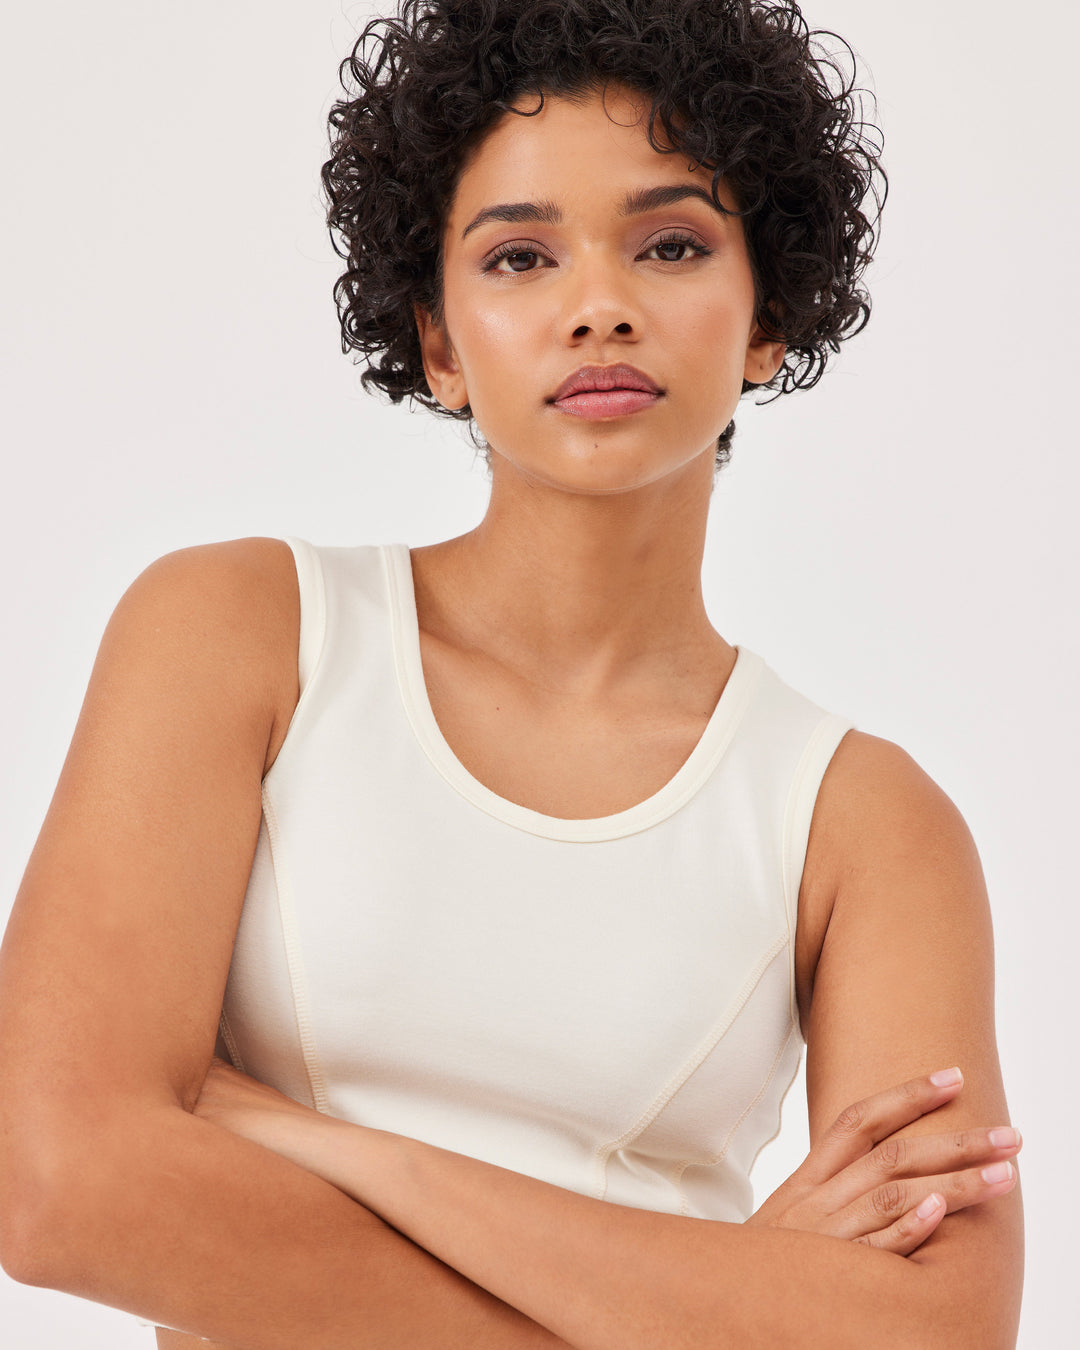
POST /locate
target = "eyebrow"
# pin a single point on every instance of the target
(635, 203)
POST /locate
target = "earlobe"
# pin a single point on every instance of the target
(443, 373)
(764, 357)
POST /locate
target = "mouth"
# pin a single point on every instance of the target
(606, 391)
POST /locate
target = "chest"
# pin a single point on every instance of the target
(571, 757)
(407, 961)
(578, 760)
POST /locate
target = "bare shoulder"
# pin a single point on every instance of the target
(239, 586)
(881, 817)
(887, 846)
(229, 611)
(874, 782)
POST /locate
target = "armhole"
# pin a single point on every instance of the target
(312, 637)
(802, 797)
(312, 590)
(309, 579)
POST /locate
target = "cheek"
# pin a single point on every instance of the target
(714, 338)
(481, 307)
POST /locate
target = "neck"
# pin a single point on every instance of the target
(585, 590)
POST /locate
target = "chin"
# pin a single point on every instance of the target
(596, 470)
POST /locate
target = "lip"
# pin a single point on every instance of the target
(589, 379)
(600, 403)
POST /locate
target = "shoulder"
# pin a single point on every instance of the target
(254, 576)
(221, 617)
(889, 853)
(874, 796)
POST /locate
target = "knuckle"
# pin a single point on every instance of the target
(889, 1156)
(850, 1120)
(887, 1200)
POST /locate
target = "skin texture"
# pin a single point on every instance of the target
(570, 625)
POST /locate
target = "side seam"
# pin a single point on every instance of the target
(230, 1042)
(750, 1106)
(294, 960)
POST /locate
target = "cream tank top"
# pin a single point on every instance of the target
(605, 1004)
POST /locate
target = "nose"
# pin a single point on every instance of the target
(600, 301)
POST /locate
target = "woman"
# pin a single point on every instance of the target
(515, 880)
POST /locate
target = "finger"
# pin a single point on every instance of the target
(865, 1123)
(885, 1204)
(922, 1157)
(912, 1228)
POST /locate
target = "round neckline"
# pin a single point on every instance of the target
(676, 792)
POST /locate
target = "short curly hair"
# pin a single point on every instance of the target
(743, 87)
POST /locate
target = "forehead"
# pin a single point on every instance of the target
(588, 150)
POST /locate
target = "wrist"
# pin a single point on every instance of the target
(361, 1161)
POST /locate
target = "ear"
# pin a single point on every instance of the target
(764, 356)
(444, 375)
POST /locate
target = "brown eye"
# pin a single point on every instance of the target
(674, 248)
(514, 259)
(518, 258)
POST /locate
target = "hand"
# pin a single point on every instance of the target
(860, 1183)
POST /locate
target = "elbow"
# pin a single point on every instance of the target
(28, 1223)
(74, 1184)
(23, 1254)
(46, 1175)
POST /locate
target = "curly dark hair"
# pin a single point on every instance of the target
(743, 87)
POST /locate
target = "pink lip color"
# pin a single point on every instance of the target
(606, 402)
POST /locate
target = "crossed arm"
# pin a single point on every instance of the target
(111, 978)
(602, 1276)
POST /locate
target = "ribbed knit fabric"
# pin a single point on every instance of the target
(606, 1004)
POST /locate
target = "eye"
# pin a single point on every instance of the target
(676, 243)
(515, 253)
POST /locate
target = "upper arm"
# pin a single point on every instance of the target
(904, 985)
(114, 961)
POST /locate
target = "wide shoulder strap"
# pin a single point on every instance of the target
(309, 577)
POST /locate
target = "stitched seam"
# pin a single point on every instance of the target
(297, 983)
(230, 1042)
(312, 638)
(313, 620)
(783, 1099)
(415, 701)
(725, 1147)
(603, 1152)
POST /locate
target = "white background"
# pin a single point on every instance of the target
(899, 544)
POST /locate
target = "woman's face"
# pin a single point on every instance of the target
(572, 243)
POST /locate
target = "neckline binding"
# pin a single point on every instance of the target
(676, 792)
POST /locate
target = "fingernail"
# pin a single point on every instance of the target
(996, 1172)
(1005, 1137)
(946, 1077)
(929, 1206)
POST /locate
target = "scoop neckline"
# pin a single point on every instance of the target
(675, 793)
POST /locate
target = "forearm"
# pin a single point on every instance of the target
(185, 1224)
(606, 1277)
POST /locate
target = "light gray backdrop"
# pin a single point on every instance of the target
(899, 544)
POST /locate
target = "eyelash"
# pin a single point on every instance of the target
(512, 250)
